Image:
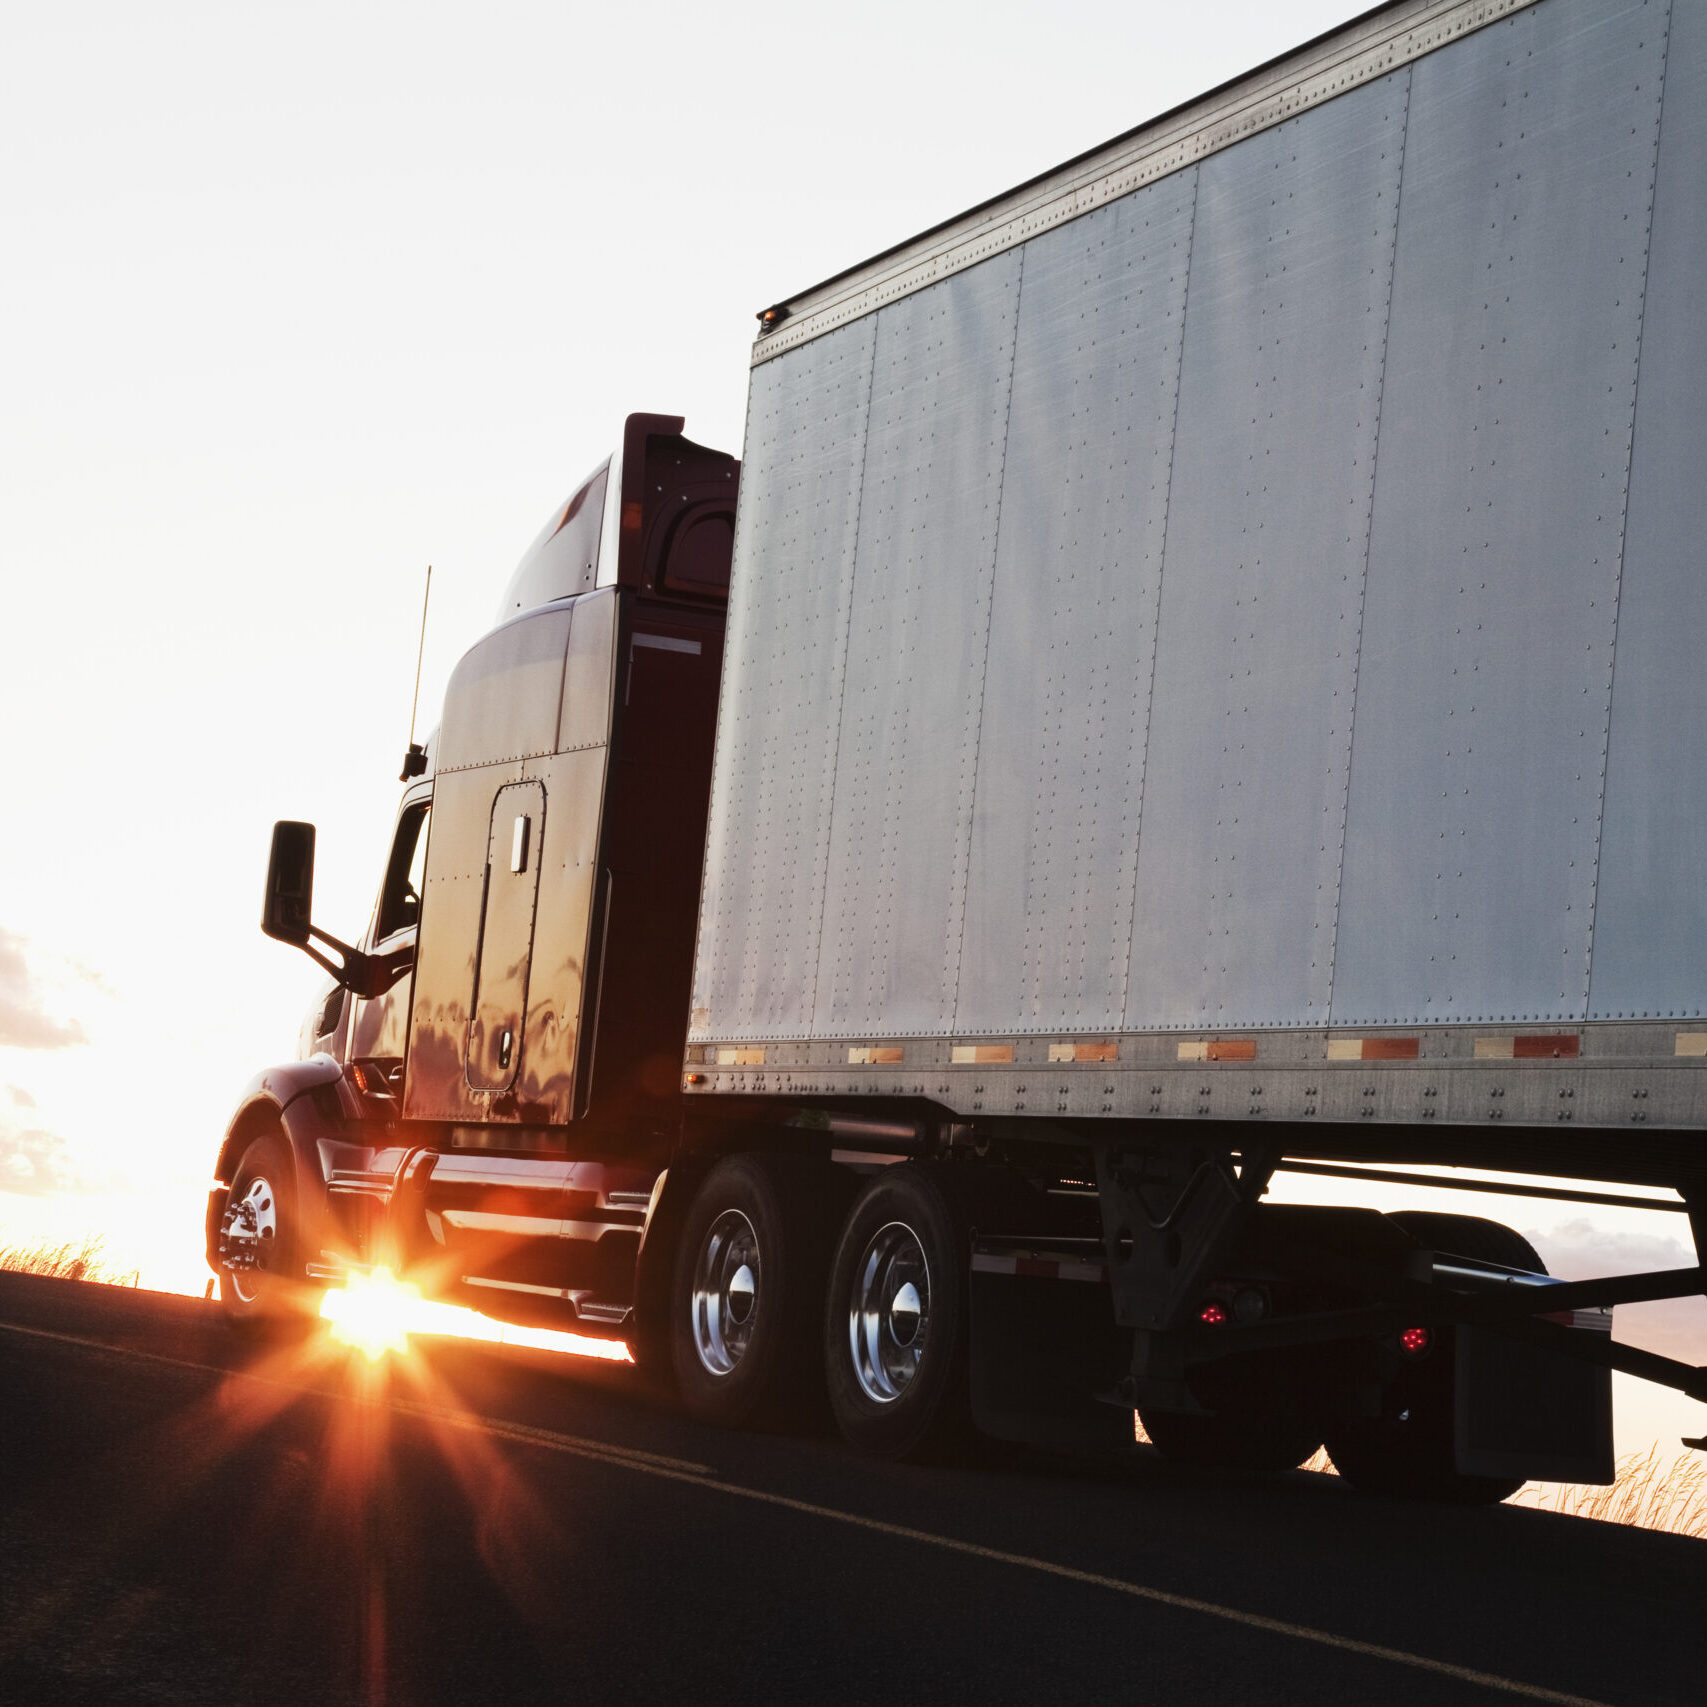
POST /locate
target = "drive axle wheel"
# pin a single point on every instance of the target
(1408, 1450)
(260, 1282)
(748, 1286)
(895, 1324)
(1247, 1440)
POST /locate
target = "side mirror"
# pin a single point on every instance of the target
(290, 884)
(287, 916)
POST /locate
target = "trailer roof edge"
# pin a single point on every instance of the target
(1371, 45)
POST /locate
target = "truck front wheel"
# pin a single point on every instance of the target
(895, 1327)
(746, 1293)
(261, 1288)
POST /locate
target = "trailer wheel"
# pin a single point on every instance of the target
(261, 1288)
(896, 1351)
(747, 1289)
(1247, 1440)
(1408, 1450)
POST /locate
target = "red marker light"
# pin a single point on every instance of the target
(1415, 1341)
(1212, 1315)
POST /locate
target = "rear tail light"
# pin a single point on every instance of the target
(1212, 1313)
(1415, 1341)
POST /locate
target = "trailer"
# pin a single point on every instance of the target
(1208, 686)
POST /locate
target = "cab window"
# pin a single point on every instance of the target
(405, 875)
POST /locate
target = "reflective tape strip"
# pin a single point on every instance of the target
(1038, 1268)
(1692, 1043)
(967, 1054)
(873, 1057)
(1594, 1320)
(740, 1057)
(1108, 1051)
(1374, 1048)
(1563, 1047)
(665, 643)
(1219, 1049)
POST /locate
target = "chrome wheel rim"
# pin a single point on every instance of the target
(889, 1313)
(246, 1236)
(726, 1284)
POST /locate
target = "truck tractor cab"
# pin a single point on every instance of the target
(526, 965)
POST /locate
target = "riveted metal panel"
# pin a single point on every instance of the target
(1256, 665)
(1650, 931)
(778, 719)
(588, 670)
(913, 697)
(1084, 508)
(1486, 664)
(503, 697)
(973, 707)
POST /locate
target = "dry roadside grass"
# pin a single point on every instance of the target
(1651, 1492)
(1668, 1494)
(70, 1261)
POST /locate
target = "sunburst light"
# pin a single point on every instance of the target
(376, 1313)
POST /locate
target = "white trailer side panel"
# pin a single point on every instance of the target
(1268, 600)
(1650, 944)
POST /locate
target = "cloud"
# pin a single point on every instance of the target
(34, 1163)
(25, 1022)
(1673, 1327)
(1579, 1250)
(21, 1098)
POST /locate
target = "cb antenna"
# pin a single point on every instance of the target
(415, 760)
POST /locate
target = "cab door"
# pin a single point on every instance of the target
(498, 1010)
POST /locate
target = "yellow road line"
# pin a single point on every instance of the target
(700, 1476)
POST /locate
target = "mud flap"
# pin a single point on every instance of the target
(1522, 1410)
(1047, 1357)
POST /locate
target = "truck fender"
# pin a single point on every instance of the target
(654, 1265)
(305, 1101)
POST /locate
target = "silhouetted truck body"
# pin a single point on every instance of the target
(1211, 686)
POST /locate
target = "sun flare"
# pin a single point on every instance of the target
(376, 1314)
(373, 1313)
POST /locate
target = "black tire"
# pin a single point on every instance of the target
(1244, 1440)
(744, 1349)
(1407, 1452)
(274, 1297)
(899, 1377)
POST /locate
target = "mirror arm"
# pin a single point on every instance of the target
(365, 975)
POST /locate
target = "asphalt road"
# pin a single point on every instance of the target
(183, 1519)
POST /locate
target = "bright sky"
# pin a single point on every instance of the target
(300, 299)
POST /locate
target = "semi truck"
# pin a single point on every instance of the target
(1196, 676)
